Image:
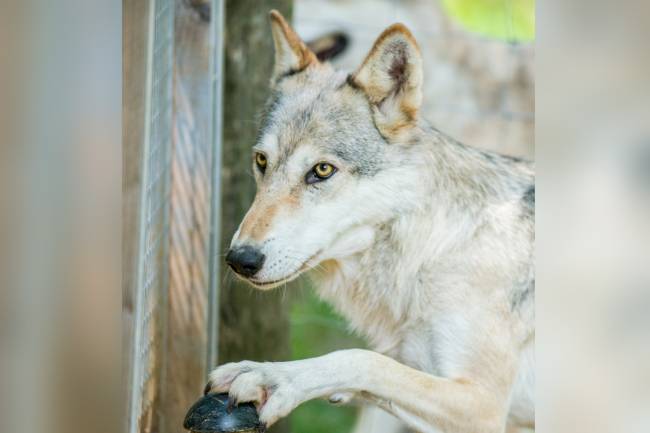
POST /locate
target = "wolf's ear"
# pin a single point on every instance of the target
(291, 53)
(391, 77)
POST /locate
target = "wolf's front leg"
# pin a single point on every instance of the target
(424, 402)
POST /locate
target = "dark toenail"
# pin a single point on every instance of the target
(231, 404)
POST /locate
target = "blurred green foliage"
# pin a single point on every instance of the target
(511, 20)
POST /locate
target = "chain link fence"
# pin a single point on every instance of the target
(152, 269)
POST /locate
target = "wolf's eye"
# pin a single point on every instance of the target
(260, 160)
(321, 171)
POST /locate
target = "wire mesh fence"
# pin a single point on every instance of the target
(154, 227)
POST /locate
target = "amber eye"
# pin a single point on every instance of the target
(324, 170)
(260, 160)
(321, 171)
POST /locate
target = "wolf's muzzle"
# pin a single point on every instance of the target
(245, 260)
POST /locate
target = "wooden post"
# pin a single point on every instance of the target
(253, 325)
(134, 66)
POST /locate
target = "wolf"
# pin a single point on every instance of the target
(424, 244)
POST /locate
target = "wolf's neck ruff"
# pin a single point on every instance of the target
(453, 198)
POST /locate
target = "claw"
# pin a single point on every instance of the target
(340, 398)
(231, 404)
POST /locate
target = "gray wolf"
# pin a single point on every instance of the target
(425, 245)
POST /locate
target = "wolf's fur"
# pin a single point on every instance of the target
(424, 244)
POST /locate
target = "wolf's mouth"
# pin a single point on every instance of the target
(275, 283)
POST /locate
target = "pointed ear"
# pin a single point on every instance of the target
(391, 77)
(291, 53)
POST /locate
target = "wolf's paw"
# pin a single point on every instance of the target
(267, 385)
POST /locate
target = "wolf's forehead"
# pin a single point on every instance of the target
(300, 118)
(327, 117)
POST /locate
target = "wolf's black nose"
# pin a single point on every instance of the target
(245, 260)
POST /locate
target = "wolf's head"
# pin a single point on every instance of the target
(329, 161)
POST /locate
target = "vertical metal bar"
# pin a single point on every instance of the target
(217, 32)
(166, 163)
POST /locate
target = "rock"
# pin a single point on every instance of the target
(211, 414)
